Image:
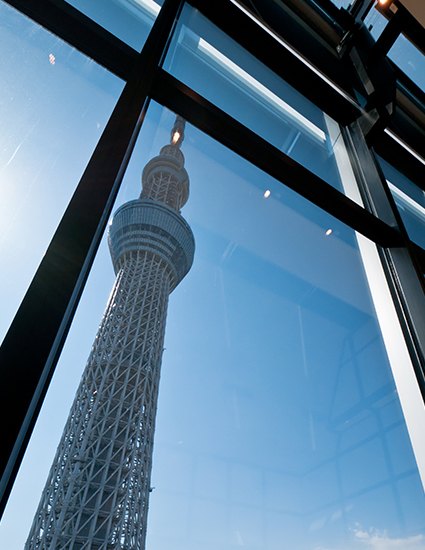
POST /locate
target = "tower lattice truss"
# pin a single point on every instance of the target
(96, 495)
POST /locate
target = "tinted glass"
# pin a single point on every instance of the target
(409, 59)
(279, 421)
(375, 22)
(54, 105)
(213, 65)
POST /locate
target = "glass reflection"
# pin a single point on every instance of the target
(128, 20)
(54, 105)
(212, 64)
(279, 423)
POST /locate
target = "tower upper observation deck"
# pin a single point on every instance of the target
(153, 222)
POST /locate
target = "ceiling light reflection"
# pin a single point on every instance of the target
(149, 6)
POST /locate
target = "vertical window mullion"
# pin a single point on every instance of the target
(404, 276)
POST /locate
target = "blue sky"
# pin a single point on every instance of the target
(279, 424)
(46, 105)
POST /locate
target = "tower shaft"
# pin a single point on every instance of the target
(98, 487)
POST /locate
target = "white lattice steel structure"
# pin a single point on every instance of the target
(96, 495)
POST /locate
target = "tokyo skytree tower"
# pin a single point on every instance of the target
(96, 495)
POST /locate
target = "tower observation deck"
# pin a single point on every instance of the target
(96, 495)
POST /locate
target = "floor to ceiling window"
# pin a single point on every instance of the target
(289, 412)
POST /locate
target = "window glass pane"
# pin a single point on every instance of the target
(375, 22)
(129, 20)
(216, 67)
(342, 3)
(278, 417)
(410, 201)
(409, 59)
(54, 104)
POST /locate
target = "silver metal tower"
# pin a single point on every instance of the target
(97, 492)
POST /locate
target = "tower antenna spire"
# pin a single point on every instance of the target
(177, 133)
